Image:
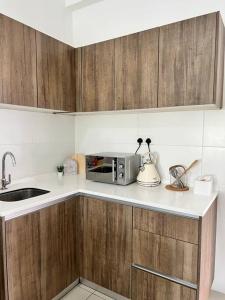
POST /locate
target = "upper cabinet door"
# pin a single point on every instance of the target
(187, 60)
(17, 63)
(55, 74)
(97, 77)
(137, 70)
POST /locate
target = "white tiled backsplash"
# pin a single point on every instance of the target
(39, 141)
(177, 138)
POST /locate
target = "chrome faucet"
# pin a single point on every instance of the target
(3, 180)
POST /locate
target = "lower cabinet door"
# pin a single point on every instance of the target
(23, 257)
(146, 286)
(106, 249)
(41, 252)
(165, 255)
(59, 265)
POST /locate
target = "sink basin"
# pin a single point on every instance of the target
(22, 194)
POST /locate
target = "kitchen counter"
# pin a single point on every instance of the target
(156, 198)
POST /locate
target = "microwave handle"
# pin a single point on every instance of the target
(113, 170)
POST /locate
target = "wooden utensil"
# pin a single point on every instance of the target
(189, 168)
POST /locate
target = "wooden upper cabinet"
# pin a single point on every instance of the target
(191, 62)
(136, 70)
(179, 64)
(55, 74)
(17, 63)
(96, 65)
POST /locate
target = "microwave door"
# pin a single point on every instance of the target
(103, 171)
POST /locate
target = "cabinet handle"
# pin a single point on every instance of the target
(170, 278)
(113, 171)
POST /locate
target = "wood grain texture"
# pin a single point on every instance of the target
(187, 62)
(165, 255)
(107, 244)
(93, 235)
(168, 225)
(97, 77)
(136, 70)
(146, 286)
(78, 79)
(219, 62)
(24, 257)
(207, 252)
(17, 63)
(3, 270)
(55, 74)
(59, 263)
(42, 252)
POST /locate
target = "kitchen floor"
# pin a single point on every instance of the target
(82, 292)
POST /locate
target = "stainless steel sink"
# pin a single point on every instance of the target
(22, 194)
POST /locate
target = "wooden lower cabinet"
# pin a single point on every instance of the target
(24, 257)
(176, 247)
(59, 262)
(41, 252)
(134, 252)
(167, 225)
(146, 286)
(166, 255)
(3, 290)
(106, 250)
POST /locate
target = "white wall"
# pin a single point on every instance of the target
(48, 16)
(113, 18)
(39, 141)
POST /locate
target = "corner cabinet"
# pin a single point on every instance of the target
(191, 58)
(106, 249)
(136, 70)
(95, 77)
(55, 74)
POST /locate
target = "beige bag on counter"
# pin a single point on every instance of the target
(80, 159)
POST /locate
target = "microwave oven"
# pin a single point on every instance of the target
(113, 167)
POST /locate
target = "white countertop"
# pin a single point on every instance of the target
(157, 198)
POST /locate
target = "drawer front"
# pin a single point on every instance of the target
(146, 286)
(166, 255)
(177, 227)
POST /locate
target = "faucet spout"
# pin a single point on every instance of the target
(3, 180)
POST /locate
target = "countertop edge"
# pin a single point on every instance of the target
(81, 192)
